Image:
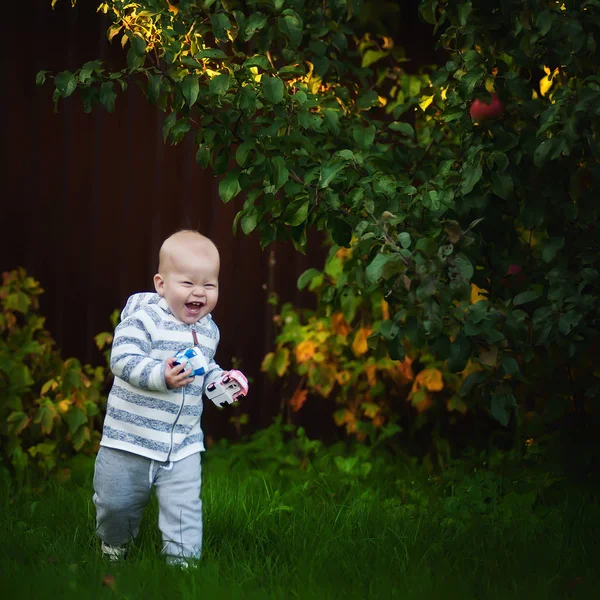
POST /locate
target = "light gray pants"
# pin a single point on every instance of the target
(123, 484)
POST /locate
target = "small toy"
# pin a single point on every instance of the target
(192, 358)
(232, 386)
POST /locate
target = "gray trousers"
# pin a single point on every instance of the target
(123, 484)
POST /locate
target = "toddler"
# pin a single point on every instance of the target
(152, 435)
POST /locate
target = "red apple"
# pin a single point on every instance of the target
(481, 110)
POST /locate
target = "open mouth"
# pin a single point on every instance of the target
(194, 307)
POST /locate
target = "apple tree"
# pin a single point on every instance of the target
(464, 195)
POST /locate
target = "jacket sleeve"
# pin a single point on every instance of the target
(214, 371)
(130, 360)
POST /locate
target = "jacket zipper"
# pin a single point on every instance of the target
(181, 407)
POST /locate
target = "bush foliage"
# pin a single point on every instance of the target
(49, 407)
(321, 128)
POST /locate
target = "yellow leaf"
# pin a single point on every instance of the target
(359, 345)
(489, 84)
(385, 310)
(305, 351)
(477, 294)
(425, 102)
(173, 9)
(388, 43)
(370, 409)
(546, 82)
(444, 93)
(63, 406)
(430, 379)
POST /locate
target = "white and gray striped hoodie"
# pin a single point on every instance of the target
(143, 416)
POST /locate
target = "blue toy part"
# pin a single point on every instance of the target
(192, 358)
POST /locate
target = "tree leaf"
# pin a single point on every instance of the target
(190, 89)
(219, 85)
(272, 88)
(255, 23)
(502, 404)
(296, 212)
(65, 83)
(229, 186)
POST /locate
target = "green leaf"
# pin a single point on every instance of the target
(291, 26)
(502, 404)
(242, 152)
(307, 277)
(366, 101)
(229, 186)
(65, 83)
(372, 56)
(220, 25)
(281, 172)
(364, 136)
(551, 247)
(383, 266)
(470, 178)
(404, 239)
(214, 53)
(255, 23)
(296, 212)
(108, 96)
(40, 78)
(272, 89)
(203, 155)
(403, 128)
(258, 60)
(153, 91)
(138, 44)
(219, 85)
(524, 297)
(541, 152)
(249, 221)
(190, 89)
(502, 186)
(511, 366)
(75, 418)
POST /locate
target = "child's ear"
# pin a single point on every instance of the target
(159, 284)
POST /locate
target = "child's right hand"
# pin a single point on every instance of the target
(175, 375)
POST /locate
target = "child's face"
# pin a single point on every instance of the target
(189, 281)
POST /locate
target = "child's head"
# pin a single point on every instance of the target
(188, 275)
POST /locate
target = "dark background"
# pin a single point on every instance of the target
(89, 198)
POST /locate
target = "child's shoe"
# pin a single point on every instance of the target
(113, 553)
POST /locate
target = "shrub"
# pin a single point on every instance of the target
(49, 407)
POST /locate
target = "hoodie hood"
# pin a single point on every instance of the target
(137, 301)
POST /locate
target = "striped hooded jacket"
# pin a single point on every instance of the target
(143, 416)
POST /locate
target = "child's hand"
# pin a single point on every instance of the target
(175, 376)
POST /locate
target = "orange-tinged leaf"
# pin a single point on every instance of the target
(339, 325)
(371, 371)
(370, 409)
(359, 345)
(343, 377)
(298, 399)
(404, 373)
(477, 293)
(421, 400)
(305, 350)
(430, 379)
(385, 310)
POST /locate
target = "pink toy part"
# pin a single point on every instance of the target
(232, 386)
(240, 378)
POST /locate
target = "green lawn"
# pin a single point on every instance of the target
(321, 534)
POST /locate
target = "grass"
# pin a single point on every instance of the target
(326, 535)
